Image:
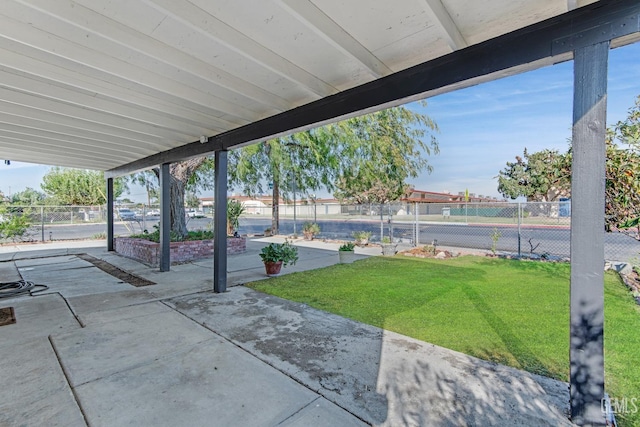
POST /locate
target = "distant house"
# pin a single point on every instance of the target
(261, 205)
(434, 197)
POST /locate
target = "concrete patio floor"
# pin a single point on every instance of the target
(93, 350)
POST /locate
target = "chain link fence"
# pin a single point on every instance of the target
(50, 223)
(38, 223)
(519, 229)
(527, 229)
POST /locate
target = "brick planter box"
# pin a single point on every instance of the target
(149, 252)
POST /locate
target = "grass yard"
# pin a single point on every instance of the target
(507, 311)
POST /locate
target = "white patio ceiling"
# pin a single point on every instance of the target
(101, 83)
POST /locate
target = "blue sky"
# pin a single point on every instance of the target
(481, 127)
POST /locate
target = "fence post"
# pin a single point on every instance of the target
(519, 234)
(42, 223)
(417, 239)
(381, 221)
(389, 221)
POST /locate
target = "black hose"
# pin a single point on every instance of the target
(20, 287)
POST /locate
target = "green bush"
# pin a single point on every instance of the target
(349, 246)
(14, 225)
(310, 228)
(362, 237)
(174, 237)
(234, 210)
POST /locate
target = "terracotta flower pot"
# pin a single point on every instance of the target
(273, 268)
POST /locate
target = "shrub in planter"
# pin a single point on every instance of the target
(362, 237)
(346, 253)
(234, 210)
(310, 229)
(276, 255)
(154, 236)
(388, 247)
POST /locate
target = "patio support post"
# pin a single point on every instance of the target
(220, 223)
(109, 214)
(165, 218)
(587, 234)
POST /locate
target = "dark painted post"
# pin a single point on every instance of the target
(587, 234)
(220, 223)
(109, 214)
(165, 218)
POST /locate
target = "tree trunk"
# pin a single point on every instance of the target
(180, 173)
(275, 212)
(178, 216)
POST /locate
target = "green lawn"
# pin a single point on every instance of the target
(507, 311)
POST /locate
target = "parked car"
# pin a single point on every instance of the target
(126, 214)
(153, 212)
(196, 214)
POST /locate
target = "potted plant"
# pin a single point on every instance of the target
(362, 237)
(267, 232)
(347, 253)
(310, 229)
(276, 255)
(388, 247)
(234, 210)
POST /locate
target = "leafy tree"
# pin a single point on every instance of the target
(623, 173)
(149, 180)
(302, 162)
(28, 197)
(185, 177)
(544, 176)
(191, 200)
(386, 143)
(78, 186)
(380, 151)
(363, 159)
(622, 188)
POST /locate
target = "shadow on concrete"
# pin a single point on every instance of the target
(382, 377)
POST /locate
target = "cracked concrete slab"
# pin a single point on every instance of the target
(37, 317)
(321, 413)
(35, 393)
(336, 357)
(9, 272)
(384, 378)
(210, 383)
(70, 276)
(131, 311)
(86, 306)
(88, 354)
(51, 263)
